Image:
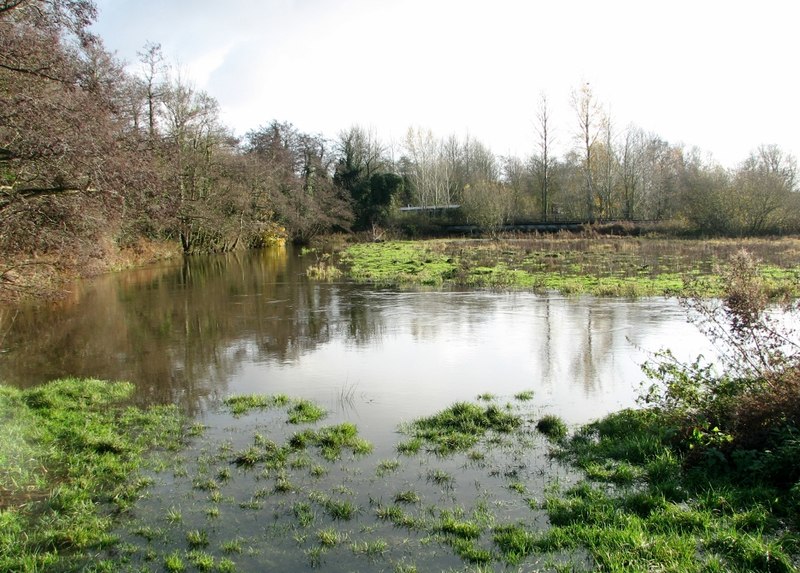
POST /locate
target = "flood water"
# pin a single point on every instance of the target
(195, 332)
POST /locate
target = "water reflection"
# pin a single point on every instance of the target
(249, 322)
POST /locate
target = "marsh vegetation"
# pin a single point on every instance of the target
(572, 264)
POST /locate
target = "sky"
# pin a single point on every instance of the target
(721, 76)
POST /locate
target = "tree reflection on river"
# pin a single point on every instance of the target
(252, 322)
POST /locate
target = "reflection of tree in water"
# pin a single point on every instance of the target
(361, 316)
(178, 332)
(576, 340)
(182, 333)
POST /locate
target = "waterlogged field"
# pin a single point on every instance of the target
(603, 266)
(263, 490)
(273, 483)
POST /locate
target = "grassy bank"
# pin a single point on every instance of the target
(603, 266)
(644, 506)
(70, 453)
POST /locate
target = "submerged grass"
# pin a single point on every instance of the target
(461, 426)
(305, 412)
(570, 264)
(637, 508)
(240, 404)
(70, 456)
(332, 440)
(552, 426)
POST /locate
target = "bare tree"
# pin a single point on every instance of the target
(589, 116)
(431, 175)
(153, 83)
(607, 168)
(631, 158)
(543, 161)
(362, 150)
(293, 171)
(763, 185)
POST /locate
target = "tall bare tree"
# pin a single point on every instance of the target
(589, 116)
(154, 85)
(543, 160)
(631, 157)
(431, 175)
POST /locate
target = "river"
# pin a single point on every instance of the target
(195, 332)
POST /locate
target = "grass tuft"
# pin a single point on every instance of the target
(553, 427)
(462, 425)
(305, 412)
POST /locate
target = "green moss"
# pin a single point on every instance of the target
(397, 263)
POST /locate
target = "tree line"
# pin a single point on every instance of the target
(94, 157)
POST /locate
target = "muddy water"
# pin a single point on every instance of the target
(194, 333)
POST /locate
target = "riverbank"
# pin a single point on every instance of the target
(48, 277)
(644, 506)
(571, 264)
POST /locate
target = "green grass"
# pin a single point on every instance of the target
(240, 404)
(304, 513)
(232, 546)
(330, 537)
(332, 440)
(552, 426)
(524, 396)
(462, 425)
(372, 549)
(407, 496)
(398, 263)
(637, 507)
(574, 265)
(70, 456)
(440, 477)
(409, 447)
(174, 563)
(386, 467)
(681, 519)
(338, 509)
(305, 412)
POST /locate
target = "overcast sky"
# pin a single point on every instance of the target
(719, 75)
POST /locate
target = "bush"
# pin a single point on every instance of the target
(746, 417)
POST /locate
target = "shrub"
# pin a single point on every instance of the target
(747, 417)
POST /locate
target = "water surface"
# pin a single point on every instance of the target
(194, 332)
